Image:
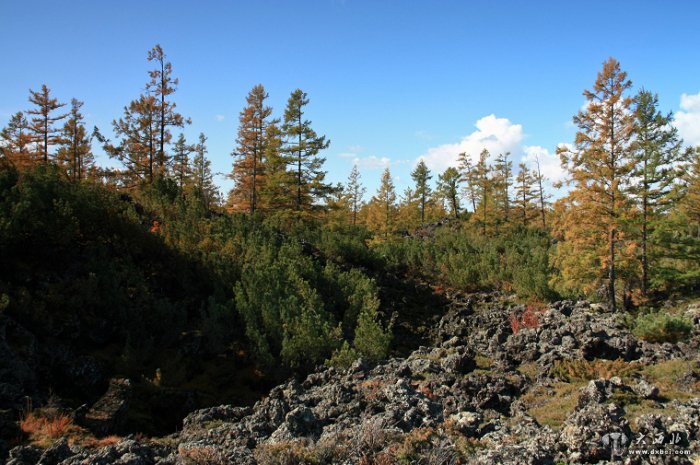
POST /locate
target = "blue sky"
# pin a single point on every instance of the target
(389, 81)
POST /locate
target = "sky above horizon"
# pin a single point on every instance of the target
(389, 82)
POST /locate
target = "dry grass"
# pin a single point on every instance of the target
(529, 370)
(585, 370)
(483, 364)
(201, 456)
(92, 442)
(383, 458)
(371, 389)
(646, 407)
(552, 406)
(667, 376)
(283, 453)
(426, 445)
(43, 429)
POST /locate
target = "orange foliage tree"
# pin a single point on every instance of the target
(252, 143)
(42, 124)
(596, 212)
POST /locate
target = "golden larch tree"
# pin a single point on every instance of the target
(16, 142)
(525, 195)
(161, 86)
(599, 167)
(248, 167)
(42, 124)
(75, 152)
(382, 207)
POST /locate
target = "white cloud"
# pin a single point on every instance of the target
(353, 151)
(423, 135)
(550, 165)
(219, 117)
(497, 135)
(371, 162)
(688, 119)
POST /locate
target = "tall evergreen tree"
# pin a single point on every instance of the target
(161, 86)
(383, 206)
(407, 210)
(448, 189)
(468, 174)
(45, 134)
(17, 142)
(248, 168)
(483, 183)
(657, 158)
(354, 192)
(541, 194)
(525, 194)
(302, 147)
(278, 192)
(181, 161)
(691, 200)
(202, 178)
(674, 238)
(600, 166)
(75, 151)
(137, 144)
(421, 176)
(502, 173)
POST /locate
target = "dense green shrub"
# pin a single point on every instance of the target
(514, 260)
(298, 310)
(662, 327)
(372, 339)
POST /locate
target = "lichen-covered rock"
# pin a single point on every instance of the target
(645, 390)
(465, 394)
(57, 453)
(466, 423)
(24, 455)
(583, 432)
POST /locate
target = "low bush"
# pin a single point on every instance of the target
(528, 319)
(44, 430)
(202, 456)
(516, 260)
(573, 371)
(662, 327)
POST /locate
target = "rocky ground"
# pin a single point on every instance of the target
(570, 385)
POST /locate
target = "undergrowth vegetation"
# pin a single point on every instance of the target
(43, 428)
(515, 260)
(662, 327)
(248, 299)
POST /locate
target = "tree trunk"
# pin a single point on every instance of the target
(46, 139)
(299, 165)
(645, 215)
(161, 156)
(611, 270)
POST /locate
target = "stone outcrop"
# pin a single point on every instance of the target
(464, 397)
(108, 414)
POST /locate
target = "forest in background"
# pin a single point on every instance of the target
(293, 267)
